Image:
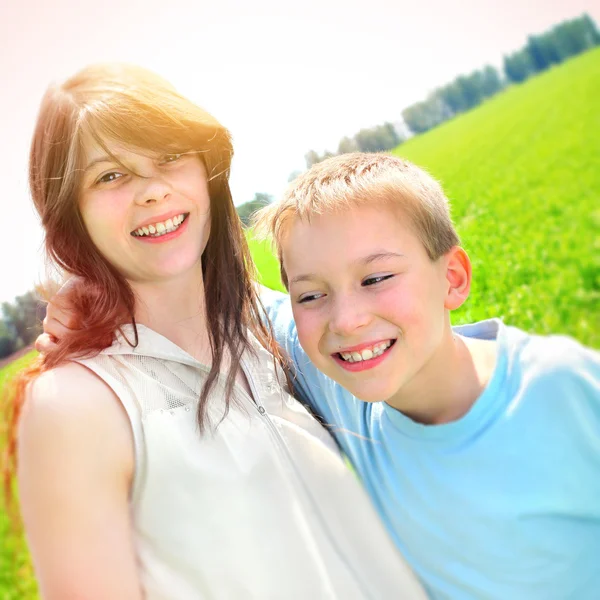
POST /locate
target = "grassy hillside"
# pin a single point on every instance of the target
(523, 175)
(16, 576)
(266, 263)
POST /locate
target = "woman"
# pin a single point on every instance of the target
(172, 464)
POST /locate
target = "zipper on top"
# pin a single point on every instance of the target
(293, 470)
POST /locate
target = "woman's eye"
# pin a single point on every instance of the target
(375, 279)
(109, 177)
(170, 158)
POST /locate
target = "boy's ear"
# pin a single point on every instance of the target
(458, 276)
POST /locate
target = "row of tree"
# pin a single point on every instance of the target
(552, 47)
(460, 95)
(248, 208)
(374, 139)
(20, 323)
(467, 91)
(464, 93)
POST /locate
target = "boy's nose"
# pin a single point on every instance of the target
(347, 316)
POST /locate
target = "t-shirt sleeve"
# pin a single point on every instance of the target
(580, 382)
(310, 385)
(567, 364)
(584, 368)
(563, 378)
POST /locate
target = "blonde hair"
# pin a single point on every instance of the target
(350, 180)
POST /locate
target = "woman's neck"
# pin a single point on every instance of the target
(176, 309)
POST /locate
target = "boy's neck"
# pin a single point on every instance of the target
(450, 383)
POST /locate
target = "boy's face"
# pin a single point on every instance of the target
(370, 305)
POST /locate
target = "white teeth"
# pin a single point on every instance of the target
(366, 353)
(161, 228)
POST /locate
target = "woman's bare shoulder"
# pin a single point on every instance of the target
(71, 410)
(75, 467)
(71, 389)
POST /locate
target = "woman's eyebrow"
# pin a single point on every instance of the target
(115, 158)
(96, 161)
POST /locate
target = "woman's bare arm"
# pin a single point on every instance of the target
(76, 462)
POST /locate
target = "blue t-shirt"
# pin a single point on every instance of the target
(503, 503)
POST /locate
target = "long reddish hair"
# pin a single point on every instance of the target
(129, 103)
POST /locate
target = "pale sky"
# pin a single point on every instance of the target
(284, 77)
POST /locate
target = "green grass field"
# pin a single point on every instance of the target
(523, 174)
(16, 575)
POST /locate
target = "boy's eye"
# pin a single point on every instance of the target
(109, 177)
(309, 298)
(375, 279)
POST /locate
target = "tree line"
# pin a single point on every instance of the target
(465, 92)
(375, 139)
(552, 47)
(20, 323)
(542, 51)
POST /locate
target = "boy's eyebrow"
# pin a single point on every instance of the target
(378, 256)
(365, 260)
(305, 277)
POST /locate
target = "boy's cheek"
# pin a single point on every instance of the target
(308, 328)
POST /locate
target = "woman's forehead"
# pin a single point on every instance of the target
(109, 149)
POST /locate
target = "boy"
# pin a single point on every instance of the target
(480, 445)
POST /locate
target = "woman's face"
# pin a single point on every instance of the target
(148, 214)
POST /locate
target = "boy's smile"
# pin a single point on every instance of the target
(371, 307)
(363, 356)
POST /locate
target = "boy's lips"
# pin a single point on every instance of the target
(363, 356)
(360, 347)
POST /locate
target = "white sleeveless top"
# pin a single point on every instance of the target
(261, 507)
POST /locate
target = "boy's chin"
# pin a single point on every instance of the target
(364, 394)
(367, 391)
(371, 398)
